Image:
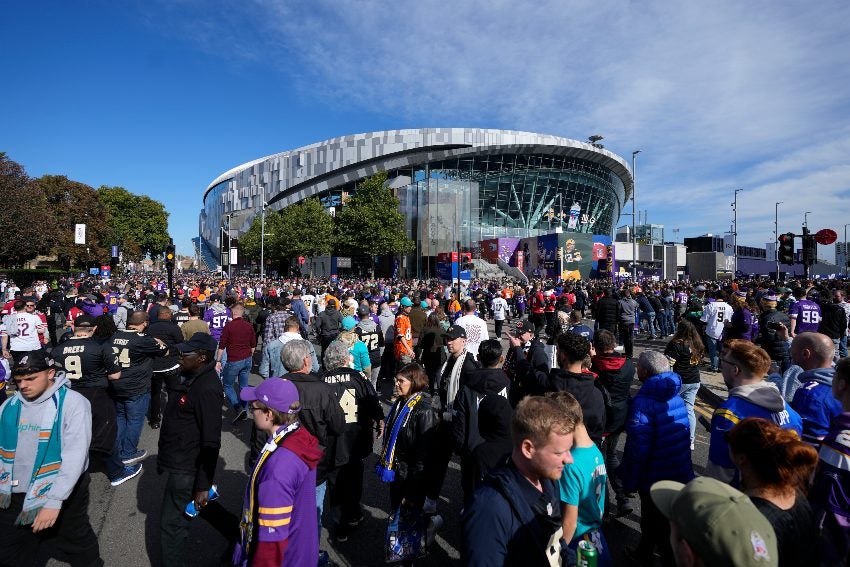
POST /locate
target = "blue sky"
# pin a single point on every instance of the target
(162, 96)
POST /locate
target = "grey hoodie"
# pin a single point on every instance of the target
(76, 437)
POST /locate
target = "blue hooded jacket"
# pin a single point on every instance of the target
(816, 404)
(658, 437)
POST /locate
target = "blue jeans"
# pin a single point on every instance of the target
(650, 320)
(321, 490)
(130, 417)
(239, 369)
(842, 347)
(713, 351)
(688, 393)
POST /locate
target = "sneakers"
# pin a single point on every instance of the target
(135, 457)
(241, 416)
(430, 507)
(128, 473)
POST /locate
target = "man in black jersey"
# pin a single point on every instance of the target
(89, 365)
(183, 314)
(134, 352)
(165, 368)
(363, 414)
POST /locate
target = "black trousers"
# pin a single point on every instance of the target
(441, 455)
(627, 338)
(654, 532)
(174, 523)
(161, 382)
(71, 536)
(346, 491)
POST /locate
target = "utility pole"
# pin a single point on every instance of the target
(776, 237)
(735, 230)
(263, 236)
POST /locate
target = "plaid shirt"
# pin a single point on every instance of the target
(275, 325)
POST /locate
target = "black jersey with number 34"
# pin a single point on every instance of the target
(86, 361)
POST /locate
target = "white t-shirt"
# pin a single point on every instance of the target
(500, 309)
(29, 326)
(476, 331)
(715, 315)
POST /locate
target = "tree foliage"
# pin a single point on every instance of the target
(370, 222)
(301, 229)
(137, 222)
(71, 202)
(24, 215)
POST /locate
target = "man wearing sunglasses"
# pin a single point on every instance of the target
(22, 330)
(189, 442)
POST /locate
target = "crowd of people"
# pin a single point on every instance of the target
(543, 417)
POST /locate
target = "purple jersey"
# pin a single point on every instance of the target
(112, 302)
(807, 314)
(217, 318)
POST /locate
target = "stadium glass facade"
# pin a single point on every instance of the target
(454, 186)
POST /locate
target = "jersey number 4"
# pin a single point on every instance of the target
(348, 403)
(123, 356)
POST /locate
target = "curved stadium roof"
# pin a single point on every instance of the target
(310, 169)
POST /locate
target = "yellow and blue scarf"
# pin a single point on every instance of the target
(48, 458)
(399, 415)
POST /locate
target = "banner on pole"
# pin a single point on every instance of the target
(729, 245)
(80, 234)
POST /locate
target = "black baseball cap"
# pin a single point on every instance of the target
(32, 362)
(524, 327)
(86, 321)
(455, 332)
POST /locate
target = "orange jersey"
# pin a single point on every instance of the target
(403, 337)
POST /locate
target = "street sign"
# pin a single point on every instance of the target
(826, 236)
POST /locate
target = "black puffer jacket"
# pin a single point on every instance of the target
(616, 375)
(607, 313)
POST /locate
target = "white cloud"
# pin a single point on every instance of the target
(718, 95)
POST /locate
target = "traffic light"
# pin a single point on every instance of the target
(169, 257)
(810, 248)
(786, 249)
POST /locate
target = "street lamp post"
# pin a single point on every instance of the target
(735, 229)
(263, 236)
(776, 235)
(634, 233)
(845, 250)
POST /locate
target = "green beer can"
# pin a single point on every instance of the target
(587, 554)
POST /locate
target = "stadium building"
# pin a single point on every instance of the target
(456, 185)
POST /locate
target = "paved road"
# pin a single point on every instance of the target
(126, 518)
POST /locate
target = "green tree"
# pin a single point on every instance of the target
(24, 215)
(137, 222)
(72, 202)
(370, 223)
(302, 229)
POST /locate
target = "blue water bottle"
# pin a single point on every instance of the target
(192, 510)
